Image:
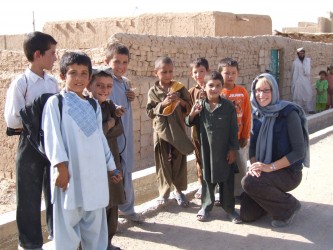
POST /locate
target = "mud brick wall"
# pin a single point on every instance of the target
(252, 53)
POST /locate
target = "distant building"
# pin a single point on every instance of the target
(324, 25)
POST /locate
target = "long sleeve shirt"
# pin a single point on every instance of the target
(22, 91)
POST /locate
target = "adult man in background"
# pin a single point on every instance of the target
(301, 87)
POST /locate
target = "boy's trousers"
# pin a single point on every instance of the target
(226, 190)
(32, 177)
(171, 168)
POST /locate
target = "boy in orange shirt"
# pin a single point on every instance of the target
(240, 98)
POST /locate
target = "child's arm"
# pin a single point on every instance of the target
(62, 177)
(233, 137)
(185, 100)
(231, 156)
(15, 101)
(130, 94)
(120, 110)
(246, 121)
(154, 107)
(108, 155)
(196, 109)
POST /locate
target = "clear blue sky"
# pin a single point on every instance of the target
(16, 15)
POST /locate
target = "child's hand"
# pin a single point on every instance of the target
(116, 176)
(111, 122)
(130, 94)
(202, 94)
(196, 109)
(243, 142)
(167, 101)
(120, 110)
(231, 156)
(62, 178)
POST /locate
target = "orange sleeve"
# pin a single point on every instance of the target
(247, 116)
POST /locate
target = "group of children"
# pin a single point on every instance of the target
(218, 110)
(87, 173)
(324, 88)
(90, 149)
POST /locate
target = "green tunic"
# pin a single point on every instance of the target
(321, 86)
(218, 134)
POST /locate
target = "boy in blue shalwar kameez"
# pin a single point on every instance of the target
(80, 160)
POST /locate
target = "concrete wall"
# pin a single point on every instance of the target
(252, 53)
(93, 33)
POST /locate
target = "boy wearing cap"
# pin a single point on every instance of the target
(100, 87)
(301, 86)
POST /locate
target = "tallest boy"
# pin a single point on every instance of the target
(117, 56)
(32, 170)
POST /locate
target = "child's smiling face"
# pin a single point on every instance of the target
(213, 89)
(101, 88)
(77, 78)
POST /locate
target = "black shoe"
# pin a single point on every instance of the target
(283, 223)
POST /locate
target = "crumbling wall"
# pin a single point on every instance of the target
(323, 25)
(94, 32)
(11, 42)
(252, 53)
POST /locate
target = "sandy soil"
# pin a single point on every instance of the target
(173, 227)
(7, 195)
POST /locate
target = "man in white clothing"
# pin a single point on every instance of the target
(301, 86)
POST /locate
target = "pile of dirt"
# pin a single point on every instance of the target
(7, 195)
(313, 37)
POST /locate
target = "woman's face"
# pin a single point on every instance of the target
(263, 93)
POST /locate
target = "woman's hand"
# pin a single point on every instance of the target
(256, 168)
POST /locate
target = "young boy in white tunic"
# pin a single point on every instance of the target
(80, 158)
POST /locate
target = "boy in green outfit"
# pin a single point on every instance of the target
(321, 87)
(216, 122)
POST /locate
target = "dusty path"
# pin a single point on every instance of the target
(177, 228)
(173, 227)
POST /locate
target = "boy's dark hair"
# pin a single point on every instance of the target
(116, 48)
(70, 58)
(201, 61)
(100, 72)
(227, 62)
(35, 41)
(162, 61)
(215, 75)
(322, 72)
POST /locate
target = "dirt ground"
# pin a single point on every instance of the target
(172, 227)
(177, 228)
(7, 195)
